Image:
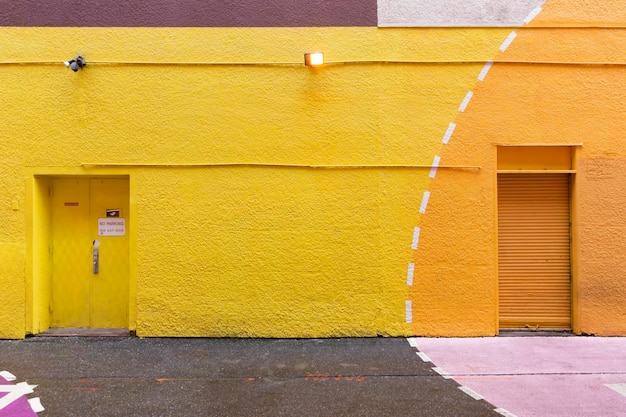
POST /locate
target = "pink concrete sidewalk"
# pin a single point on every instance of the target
(537, 376)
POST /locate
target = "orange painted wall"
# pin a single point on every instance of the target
(560, 85)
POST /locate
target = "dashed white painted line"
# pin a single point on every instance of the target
(466, 101)
(471, 393)
(442, 373)
(507, 41)
(409, 311)
(449, 132)
(532, 15)
(433, 170)
(504, 412)
(424, 204)
(619, 388)
(409, 274)
(485, 70)
(416, 238)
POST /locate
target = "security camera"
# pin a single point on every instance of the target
(76, 63)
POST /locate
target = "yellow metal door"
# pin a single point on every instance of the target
(90, 253)
(70, 253)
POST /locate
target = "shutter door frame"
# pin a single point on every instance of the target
(534, 251)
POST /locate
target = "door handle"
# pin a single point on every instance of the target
(96, 257)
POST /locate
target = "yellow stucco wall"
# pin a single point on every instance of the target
(259, 250)
(275, 200)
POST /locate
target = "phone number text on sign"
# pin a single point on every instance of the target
(111, 226)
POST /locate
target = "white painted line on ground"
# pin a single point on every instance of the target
(483, 73)
(409, 274)
(14, 392)
(412, 342)
(8, 375)
(471, 393)
(442, 373)
(449, 132)
(35, 404)
(466, 101)
(433, 170)
(416, 238)
(508, 41)
(21, 386)
(423, 357)
(424, 204)
(619, 388)
(504, 412)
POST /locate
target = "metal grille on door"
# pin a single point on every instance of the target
(534, 250)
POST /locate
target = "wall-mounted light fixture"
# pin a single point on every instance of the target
(76, 63)
(313, 59)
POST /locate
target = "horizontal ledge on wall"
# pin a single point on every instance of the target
(536, 171)
(540, 144)
(275, 165)
(327, 63)
(156, 63)
(504, 26)
(469, 61)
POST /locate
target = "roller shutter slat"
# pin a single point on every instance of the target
(534, 250)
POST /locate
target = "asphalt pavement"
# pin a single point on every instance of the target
(492, 376)
(128, 376)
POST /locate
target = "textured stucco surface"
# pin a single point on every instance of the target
(276, 200)
(452, 13)
(226, 249)
(550, 104)
(189, 13)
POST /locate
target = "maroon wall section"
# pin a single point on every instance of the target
(188, 13)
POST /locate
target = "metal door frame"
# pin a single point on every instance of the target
(38, 242)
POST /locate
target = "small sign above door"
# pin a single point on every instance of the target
(111, 226)
(113, 212)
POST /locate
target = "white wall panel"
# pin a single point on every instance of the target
(455, 12)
